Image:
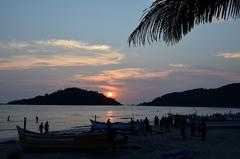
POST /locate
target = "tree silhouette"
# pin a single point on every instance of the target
(170, 20)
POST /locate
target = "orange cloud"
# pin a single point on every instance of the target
(115, 80)
(58, 53)
(230, 55)
(73, 44)
(33, 61)
(116, 76)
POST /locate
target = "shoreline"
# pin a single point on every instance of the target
(127, 105)
(220, 144)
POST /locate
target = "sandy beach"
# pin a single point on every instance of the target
(220, 143)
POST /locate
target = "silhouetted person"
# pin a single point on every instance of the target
(141, 127)
(170, 118)
(203, 129)
(41, 128)
(108, 124)
(8, 118)
(192, 127)
(36, 119)
(161, 122)
(167, 124)
(147, 125)
(198, 127)
(108, 121)
(156, 121)
(46, 127)
(183, 126)
(132, 125)
(111, 135)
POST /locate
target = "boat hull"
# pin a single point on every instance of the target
(33, 140)
(117, 126)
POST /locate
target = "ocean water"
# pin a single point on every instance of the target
(77, 117)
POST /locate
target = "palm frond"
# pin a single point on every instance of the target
(170, 20)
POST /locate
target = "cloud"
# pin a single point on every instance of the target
(207, 73)
(33, 61)
(13, 44)
(230, 55)
(72, 44)
(179, 65)
(134, 77)
(57, 53)
(114, 76)
(121, 81)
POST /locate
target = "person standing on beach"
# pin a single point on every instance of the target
(41, 128)
(8, 118)
(156, 121)
(132, 125)
(141, 127)
(46, 127)
(147, 126)
(111, 135)
(203, 129)
(36, 119)
(183, 126)
(192, 125)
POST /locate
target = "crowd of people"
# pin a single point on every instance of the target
(141, 127)
(197, 126)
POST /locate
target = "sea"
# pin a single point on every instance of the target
(77, 118)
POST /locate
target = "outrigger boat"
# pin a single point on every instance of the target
(85, 140)
(123, 127)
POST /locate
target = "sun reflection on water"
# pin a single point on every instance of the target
(109, 115)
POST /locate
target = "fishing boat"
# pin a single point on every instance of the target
(126, 127)
(85, 140)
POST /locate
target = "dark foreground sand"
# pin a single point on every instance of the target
(221, 143)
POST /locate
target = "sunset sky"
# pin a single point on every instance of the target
(47, 45)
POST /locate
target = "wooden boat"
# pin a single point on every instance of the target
(87, 140)
(96, 125)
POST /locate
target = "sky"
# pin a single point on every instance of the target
(47, 45)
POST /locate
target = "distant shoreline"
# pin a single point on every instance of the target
(118, 105)
(223, 97)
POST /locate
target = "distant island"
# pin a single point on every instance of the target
(69, 96)
(226, 96)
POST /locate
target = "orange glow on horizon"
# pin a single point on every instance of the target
(110, 94)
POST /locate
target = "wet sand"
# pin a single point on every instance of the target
(220, 143)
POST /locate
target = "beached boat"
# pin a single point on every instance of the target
(126, 127)
(85, 140)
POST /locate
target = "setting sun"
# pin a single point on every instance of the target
(109, 94)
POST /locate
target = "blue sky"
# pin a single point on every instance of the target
(50, 45)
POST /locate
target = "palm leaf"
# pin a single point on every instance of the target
(170, 20)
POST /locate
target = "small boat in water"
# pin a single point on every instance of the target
(85, 140)
(124, 127)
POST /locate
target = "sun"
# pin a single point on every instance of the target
(109, 94)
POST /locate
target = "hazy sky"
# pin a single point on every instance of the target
(47, 45)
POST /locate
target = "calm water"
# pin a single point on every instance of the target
(73, 117)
